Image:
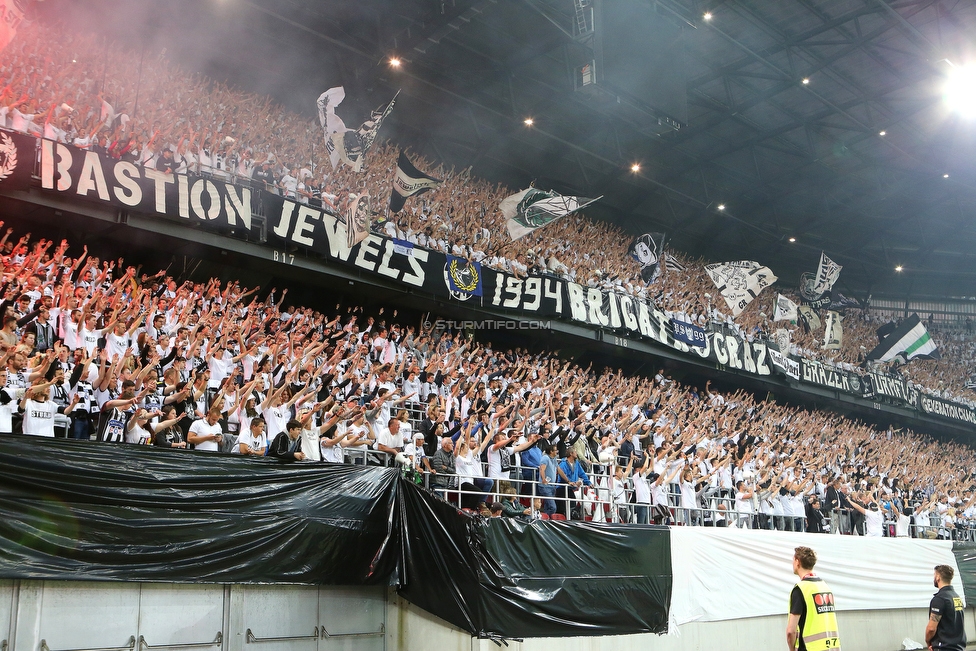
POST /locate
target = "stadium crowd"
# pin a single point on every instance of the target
(65, 85)
(94, 350)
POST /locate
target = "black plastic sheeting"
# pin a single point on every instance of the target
(965, 553)
(85, 511)
(82, 511)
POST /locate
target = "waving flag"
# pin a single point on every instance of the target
(408, 182)
(909, 340)
(648, 250)
(740, 282)
(531, 208)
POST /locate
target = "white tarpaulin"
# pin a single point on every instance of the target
(724, 574)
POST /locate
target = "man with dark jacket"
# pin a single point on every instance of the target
(287, 446)
(834, 502)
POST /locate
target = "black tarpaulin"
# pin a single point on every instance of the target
(965, 553)
(542, 579)
(84, 511)
(76, 510)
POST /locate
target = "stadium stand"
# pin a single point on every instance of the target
(96, 350)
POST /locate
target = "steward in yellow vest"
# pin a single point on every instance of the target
(812, 625)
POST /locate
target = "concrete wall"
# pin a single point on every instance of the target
(142, 616)
(41, 615)
(860, 631)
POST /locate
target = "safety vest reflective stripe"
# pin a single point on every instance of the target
(820, 636)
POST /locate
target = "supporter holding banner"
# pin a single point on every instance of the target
(689, 333)
(408, 182)
(532, 208)
(740, 282)
(648, 250)
(785, 309)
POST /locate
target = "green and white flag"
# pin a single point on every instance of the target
(532, 208)
(909, 340)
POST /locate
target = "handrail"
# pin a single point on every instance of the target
(217, 642)
(252, 638)
(131, 645)
(327, 635)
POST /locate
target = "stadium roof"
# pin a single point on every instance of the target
(784, 158)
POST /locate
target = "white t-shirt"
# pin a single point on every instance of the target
(642, 493)
(251, 441)
(333, 453)
(311, 447)
(276, 418)
(203, 428)
(137, 435)
(873, 521)
(468, 465)
(39, 418)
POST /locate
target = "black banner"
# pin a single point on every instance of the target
(17, 153)
(222, 207)
(828, 376)
(894, 388)
(945, 409)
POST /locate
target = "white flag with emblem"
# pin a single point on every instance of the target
(785, 309)
(740, 282)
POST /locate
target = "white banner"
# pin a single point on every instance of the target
(715, 572)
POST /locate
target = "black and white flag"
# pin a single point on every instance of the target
(672, 263)
(827, 275)
(834, 332)
(785, 309)
(408, 182)
(740, 282)
(343, 144)
(648, 250)
(808, 318)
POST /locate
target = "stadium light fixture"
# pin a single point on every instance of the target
(882, 133)
(806, 80)
(528, 122)
(899, 268)
(960, 90)
(721, 206)
(792, 239)
(635, 168)
(945, 176)
(395, 62)
(708, 15)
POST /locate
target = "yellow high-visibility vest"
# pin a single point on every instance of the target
(819, 631)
